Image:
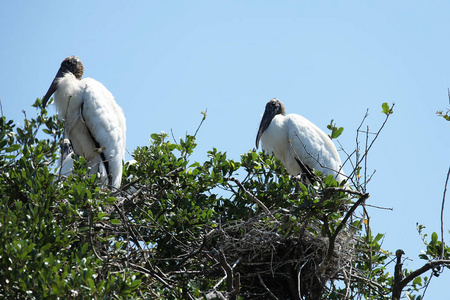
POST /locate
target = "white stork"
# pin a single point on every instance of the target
(299, 144)
(93, 122)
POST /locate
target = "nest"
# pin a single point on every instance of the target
(264, 258)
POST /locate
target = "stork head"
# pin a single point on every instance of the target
(273, 107)
(71, 64)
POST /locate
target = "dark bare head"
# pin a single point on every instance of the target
(71, 64)
(273, 107)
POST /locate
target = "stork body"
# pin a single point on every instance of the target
(292, 138)
(93, 122)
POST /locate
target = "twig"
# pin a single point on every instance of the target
(370, 282)
(235, 180)
(157, 224)
(90, 236)
(426, 285)
(365, 161)
(347, 281)
(152, 273)
(173, 137)
(266, 288)
(330, 250)
(337, 189)
(237, 285)
(442, 215)
(380, 207)
(313, 157)
(204, 117)
(373, 141)
(358, 155)
(126, 186)
(196, 251)
(304, 168)
(228, 271)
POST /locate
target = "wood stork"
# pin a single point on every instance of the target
(298, 143)
(93, 122)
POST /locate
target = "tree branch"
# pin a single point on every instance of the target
(371, 143)
(233, 282)
(400, 284)
(332, 240)
(235, 180)
(442, 215)
(266, 288)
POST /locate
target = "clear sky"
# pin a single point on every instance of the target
(166, 61)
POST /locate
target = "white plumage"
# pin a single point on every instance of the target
(288, 135)
(93, 122)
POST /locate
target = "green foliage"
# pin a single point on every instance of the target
(335, 131)
(434, 247)
(445, 115)
(45, 252)
(386, 109)
(176, 225)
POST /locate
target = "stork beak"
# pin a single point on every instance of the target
(52, 88)
(269, 114)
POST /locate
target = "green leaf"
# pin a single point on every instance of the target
(337, 132)
(135, 284)
(101, 214)
(84, 249)
(12, 148)
(434, 238)
(386, 109)
(110, 200)
(115, 222)
(417, 280)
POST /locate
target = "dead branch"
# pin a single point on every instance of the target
(442, 215)
(228, 271)
(400, 284)
(266, 288)
(372, 142)
(331, 243)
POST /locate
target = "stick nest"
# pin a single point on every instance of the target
(273, 257)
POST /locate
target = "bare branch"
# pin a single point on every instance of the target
(399, 284)
(304, 167)
(235, 180)
(332, 240)
(203, 119)
(229, 274)
(372, 142)
(442, 215)
(266, 288)
(152, 273)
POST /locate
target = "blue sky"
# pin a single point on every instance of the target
(166, 61)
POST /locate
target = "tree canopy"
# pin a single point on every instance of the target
(177, 229)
